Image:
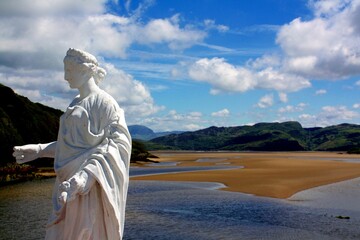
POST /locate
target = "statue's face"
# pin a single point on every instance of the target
(75, 76)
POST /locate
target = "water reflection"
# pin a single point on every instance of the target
(179, 210)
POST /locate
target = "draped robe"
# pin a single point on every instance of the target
(93, 137)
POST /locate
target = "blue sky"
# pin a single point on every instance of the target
(187, 65)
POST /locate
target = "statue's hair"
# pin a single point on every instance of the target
(86, 60)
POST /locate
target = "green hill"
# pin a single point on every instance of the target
(141, 132)
(22, 122)
(286, 136)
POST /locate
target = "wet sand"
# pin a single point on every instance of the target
(275, 174)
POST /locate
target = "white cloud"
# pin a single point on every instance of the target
(289, 108)
(168, 31)
(264, 62)
(328, 7)
(133, 95)
(357, 83)
(329, 115)
(174, 121)
(308, 120)
(325, 47)
(210, 24)
(356, 105)
(222, 75)
(283, 97)
(50, 88)
(320, 92)
(271, 78)
(192, 127)
(225, 77)
(222, 113)
(34, 37)
(45, 8)
(266, 101)
(337, 113)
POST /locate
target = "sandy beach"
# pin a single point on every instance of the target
(268, 174)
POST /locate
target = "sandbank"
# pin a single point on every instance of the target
(268, 174)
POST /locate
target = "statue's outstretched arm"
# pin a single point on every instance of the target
(29, 152)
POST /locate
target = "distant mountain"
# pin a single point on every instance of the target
(286, 136)
(23, 122)
(144, 133)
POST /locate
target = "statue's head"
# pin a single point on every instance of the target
(85, 63)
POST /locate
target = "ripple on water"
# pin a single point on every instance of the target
(179, 210)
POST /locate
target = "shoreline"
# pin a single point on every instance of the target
(268, 174)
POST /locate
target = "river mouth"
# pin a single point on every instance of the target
(181, 210)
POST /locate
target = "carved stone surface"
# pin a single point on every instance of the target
(92, 158)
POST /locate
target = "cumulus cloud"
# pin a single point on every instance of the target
(34, 37)
(334, 53)
(222, 75)
(266, 101)
(50, 88)
(356, 105)
(173, 120)
(290, 108)
(222, 113)
(324, 47)
(329, 115)
(167, 31)
(334, 113)
(320, 92)
(133, 95)
(39, 38)
(225, 77)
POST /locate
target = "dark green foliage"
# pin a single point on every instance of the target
(287, 136)
(139, 153)
(22, 121)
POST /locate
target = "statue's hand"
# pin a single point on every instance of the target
(26, 153)
(68, 190)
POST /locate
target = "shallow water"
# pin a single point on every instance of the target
(143, 171)
(178, 210)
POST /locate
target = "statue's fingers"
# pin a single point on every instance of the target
(18, 153)
(62, 198)
(17, 148)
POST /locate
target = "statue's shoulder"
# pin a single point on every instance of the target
(105, 99)
(105, 104)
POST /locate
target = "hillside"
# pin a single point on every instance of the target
(22, 121)
(287, 136)
(141, 132)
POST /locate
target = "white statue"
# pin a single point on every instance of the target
(92, 158)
